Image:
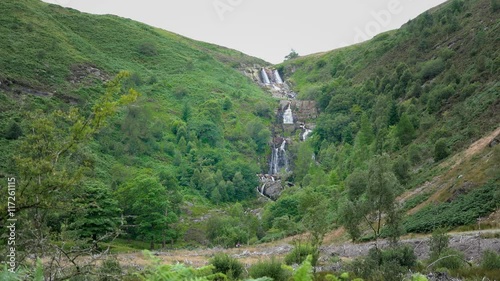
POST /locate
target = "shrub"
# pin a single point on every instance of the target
(490, 260)
(495, 5)
(438, 243)
(110, 270)
(387, 265)
(440, 150)
(148, 49)
(14, 131)
(432, 68)
(450, 259)
(230, 266)
(269, 268)
(300, 253)
(401, 255)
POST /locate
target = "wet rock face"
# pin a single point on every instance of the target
(270, 186)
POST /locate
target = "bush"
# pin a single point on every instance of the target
(148, 49)
(450, 259)
(230, 266)
(269, 268)
(490, 260)
(441, 150)
(110, 270)
(495, 5)
(402, 255)
(432, 68)
(14, 131)
(300, 253)
(438, 243)
(387, 265)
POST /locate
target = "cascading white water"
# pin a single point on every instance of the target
(265, 78)
(277, 77)
(279, 159)
(306, 133)
(284, 156)
(288, 116)
(273, 167)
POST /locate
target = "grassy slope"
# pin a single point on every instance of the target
(54, 52)
(459, 102)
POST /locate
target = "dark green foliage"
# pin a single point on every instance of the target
(450, 259)
(390, 264)
(490, 260)
(441, 150)
(415, 201)
(14, 131)
(292, 55)
(495, 5)
(145, 202)
(405, 130)
(227, 265)
(401, 168)
(148, 49)
(233, 228)
(463, 210)
(269, 268)
(432, 69)
(287, 206)
(438, 243)
(96, 212)
(300, 253)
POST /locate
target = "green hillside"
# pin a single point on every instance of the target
(118, 136)
(197, 130)
(412, 97)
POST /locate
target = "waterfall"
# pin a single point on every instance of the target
(283, 155)
(265, 78)
(273, 168)
(305, 134)
(279, 159)
(277, 77)
(288, 116)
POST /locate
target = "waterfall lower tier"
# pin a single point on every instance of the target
(279, 159)
(288, 116)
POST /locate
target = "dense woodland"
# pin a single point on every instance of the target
(124, 137)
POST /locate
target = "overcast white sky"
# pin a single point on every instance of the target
(267, 29)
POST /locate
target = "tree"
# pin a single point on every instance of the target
(44, 161)
(14, 131)
(145, 201)
(380, 192)
(370, 200)
(292, 55)
(51, 164)
(405, 130)
(96, 212)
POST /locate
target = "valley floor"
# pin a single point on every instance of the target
(471, 243)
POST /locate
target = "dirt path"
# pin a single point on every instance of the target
(472, 244)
